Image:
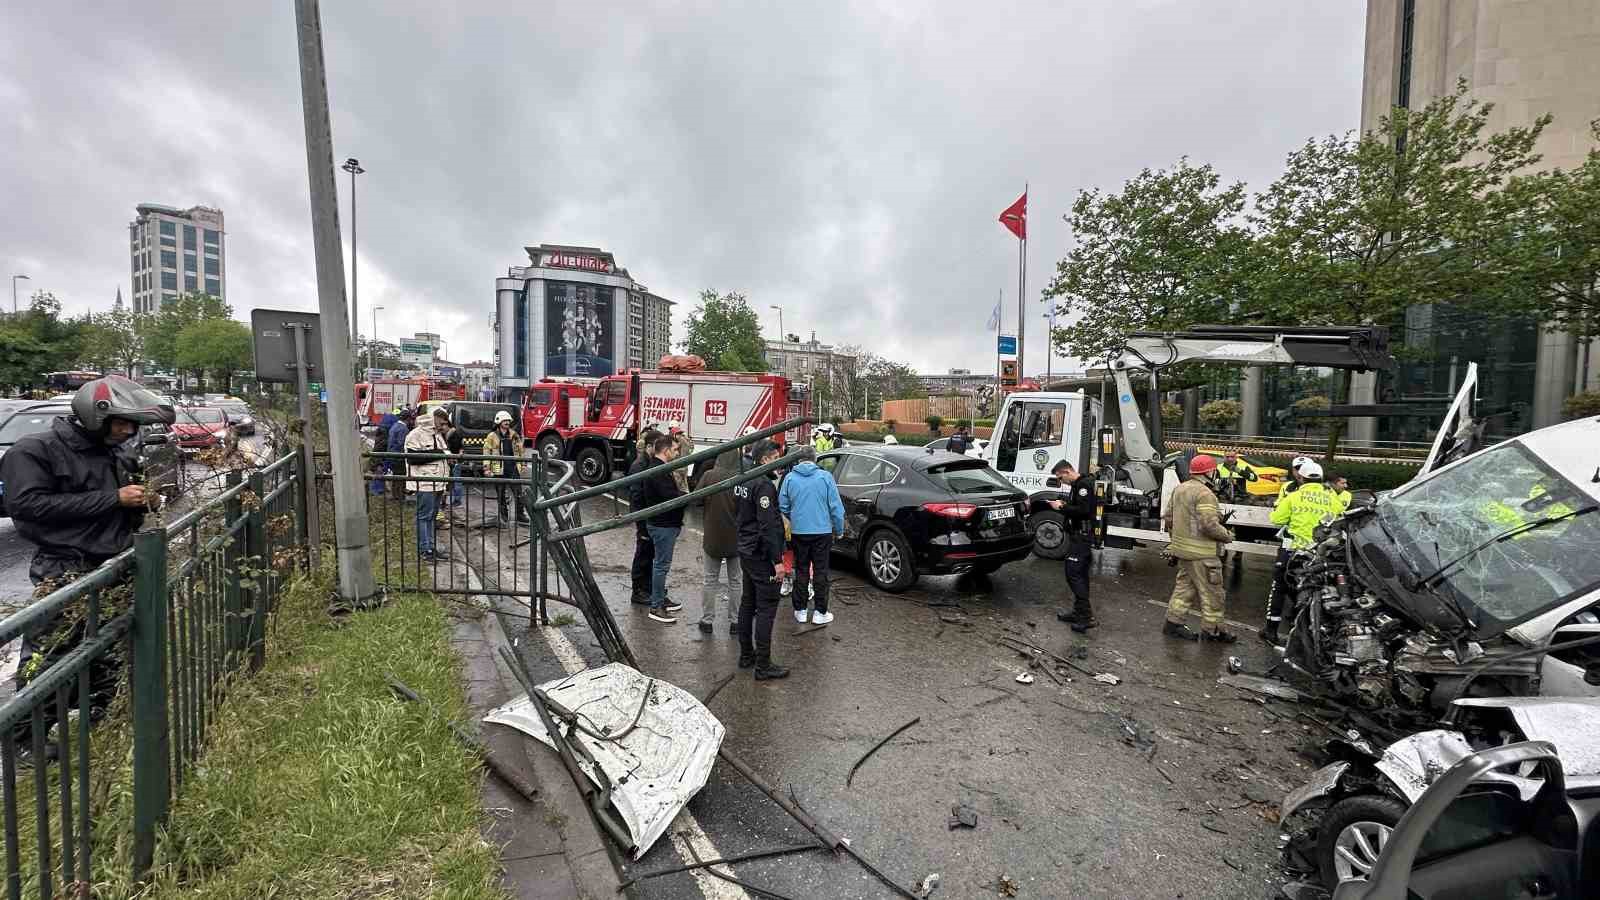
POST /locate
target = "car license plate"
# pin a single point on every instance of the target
(1002, 512)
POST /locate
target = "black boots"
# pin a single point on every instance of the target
(1080, 618)
(1180, 631)
(1269, 633)
(766, 669)
(1219, 637)
(747, 659)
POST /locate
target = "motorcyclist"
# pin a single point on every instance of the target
(79, 500)
(822, 440)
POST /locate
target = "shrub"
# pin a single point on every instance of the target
(1172, 414)
(1582, 405)
(934, 424)
(1221, 413)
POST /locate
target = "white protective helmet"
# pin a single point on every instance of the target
(748, 430)
(1311, 471)
(1298, 462)
(501, 416)
(826, 428)
(890, 439)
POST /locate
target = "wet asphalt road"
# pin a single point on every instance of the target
(1066, 808)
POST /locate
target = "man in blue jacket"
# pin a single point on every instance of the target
(810, 499)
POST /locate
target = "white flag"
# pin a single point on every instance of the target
(994, 318)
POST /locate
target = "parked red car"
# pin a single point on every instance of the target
(201, 428)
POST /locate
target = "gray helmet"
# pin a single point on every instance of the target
(115, 397)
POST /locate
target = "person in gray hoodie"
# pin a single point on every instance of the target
(810, 499)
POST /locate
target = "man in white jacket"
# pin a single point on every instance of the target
(428, 437)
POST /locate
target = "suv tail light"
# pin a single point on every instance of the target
(951, 510)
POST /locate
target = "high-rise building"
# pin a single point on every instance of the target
(176, 251)
(574, 311)
(1528, 59)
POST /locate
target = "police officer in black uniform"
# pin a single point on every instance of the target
(1077, 506)
(761, 553)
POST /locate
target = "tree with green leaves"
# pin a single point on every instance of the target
(1564, 222)
(216, 345)
(726, 333)
(1424, 209)
(38, 340)
(162, 328)
(1166, 252)
(116, 340)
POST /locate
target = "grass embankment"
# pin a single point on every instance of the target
(317, 782)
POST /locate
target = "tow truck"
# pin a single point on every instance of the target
(1134, 479)
(595, 424)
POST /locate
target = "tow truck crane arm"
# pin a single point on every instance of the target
(1360, 348)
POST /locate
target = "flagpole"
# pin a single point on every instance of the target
(999, 329)
(1022, 290)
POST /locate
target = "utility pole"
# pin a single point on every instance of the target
(349, 505)
(353, 166)
(781, 336)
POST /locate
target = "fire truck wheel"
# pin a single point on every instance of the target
(551, 446)
(593, 466)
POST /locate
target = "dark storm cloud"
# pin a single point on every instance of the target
(843, 161)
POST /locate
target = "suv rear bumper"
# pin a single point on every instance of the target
(938, 560)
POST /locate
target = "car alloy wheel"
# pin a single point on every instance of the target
(1357, 848)
(885, 560)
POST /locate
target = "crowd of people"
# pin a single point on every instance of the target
(769, 536)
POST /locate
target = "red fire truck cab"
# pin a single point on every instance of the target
(596, 424)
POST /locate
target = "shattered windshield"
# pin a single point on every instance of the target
(1498, 490)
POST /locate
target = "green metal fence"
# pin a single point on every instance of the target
(185, 610)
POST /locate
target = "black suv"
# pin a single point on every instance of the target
(911, 511)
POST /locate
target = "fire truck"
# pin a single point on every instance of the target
(375, 398)
(595, 422)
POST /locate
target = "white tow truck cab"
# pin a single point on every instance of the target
(1134, 476)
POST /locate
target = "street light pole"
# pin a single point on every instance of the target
(353, 166)
(373, 339)
(781, 336)
(344, 457)
(14, 291)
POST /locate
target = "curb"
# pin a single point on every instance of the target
(551, 848)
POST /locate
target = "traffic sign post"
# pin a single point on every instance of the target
(1008, 345)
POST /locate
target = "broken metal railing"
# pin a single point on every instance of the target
(557, 528)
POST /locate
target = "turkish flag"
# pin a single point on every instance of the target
(1016, 217)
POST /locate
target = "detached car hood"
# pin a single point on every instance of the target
(655, 767)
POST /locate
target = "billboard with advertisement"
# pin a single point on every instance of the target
(579, 335)
(447, 372)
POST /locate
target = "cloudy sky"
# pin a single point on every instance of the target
(845, 161)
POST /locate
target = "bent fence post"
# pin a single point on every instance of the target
(151, 755)
(305, 494)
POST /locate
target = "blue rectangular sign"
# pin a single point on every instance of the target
(1008, 344)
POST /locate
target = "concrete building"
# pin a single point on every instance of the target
(572, 311)
(955, 381)
(174, 252)
(479, 377)
(649, 329)
(802, 360)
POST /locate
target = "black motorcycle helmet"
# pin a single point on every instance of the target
(116, 397)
